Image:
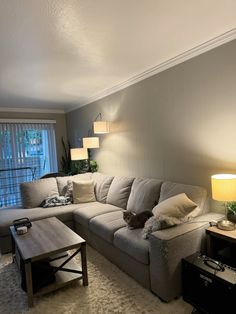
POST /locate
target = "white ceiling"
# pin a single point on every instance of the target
(62, 54)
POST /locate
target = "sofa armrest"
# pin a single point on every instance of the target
(168, 247)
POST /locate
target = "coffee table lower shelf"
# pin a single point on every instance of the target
(63, 278)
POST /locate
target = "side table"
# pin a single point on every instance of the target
(221, 245)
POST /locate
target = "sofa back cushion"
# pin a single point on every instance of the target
(196, 193)
(119, 191)
(62, 181)
(102, 184)
(144, 194)
(35, 192)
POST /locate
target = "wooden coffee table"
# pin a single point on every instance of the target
(47, 238)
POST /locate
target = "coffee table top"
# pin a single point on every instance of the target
(46, 237)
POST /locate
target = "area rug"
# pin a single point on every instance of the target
(110, 291)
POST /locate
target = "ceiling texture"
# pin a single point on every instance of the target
(63, 54)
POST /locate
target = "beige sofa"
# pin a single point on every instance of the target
(155, 262)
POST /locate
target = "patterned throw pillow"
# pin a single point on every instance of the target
(69, 190)
(162, 222)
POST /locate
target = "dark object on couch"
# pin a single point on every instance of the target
(22, 222)
(136, 220)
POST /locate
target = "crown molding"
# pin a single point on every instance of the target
(197, 50)
(27, 121)
(31, 110)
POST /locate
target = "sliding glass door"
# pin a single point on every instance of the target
(27, 151)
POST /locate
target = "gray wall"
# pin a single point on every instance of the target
(60, 127)
(178, 125)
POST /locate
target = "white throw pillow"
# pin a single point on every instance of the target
(83, 192)
(177, 206)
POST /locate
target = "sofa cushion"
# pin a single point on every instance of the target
(119, 191)
(83, 192)
(62, 181)
(87, 211)
(144, 194)
(132, 243)
(64, 213)
(105, 225)
(102, 184)
(196, 193)
(35, 192)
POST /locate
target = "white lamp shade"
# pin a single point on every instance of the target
(224, 187)
(79, 153)
(101, 127)
(90, 142)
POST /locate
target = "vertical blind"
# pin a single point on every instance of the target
(27, 151)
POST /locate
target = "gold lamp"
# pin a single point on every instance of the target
(224, 189)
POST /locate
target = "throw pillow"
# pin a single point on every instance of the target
(83, 192)
(53, 201)
(177, 206)
(161, 222)
(69, 190)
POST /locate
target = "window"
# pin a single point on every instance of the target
(27, 151)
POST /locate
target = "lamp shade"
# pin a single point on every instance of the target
(90, 142)
(101, 127)
(224, 187)
(79, 153)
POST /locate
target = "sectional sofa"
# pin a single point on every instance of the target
(154, 262)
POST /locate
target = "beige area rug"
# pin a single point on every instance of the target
(109, 291)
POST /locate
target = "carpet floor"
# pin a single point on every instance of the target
(110, 291)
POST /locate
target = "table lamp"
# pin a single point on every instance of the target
(224, 189)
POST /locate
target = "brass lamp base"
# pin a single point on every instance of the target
(225, 225)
